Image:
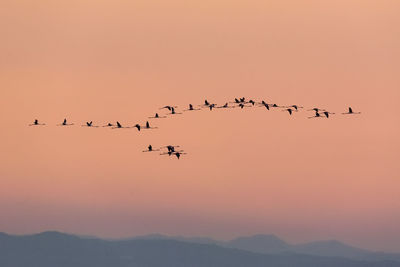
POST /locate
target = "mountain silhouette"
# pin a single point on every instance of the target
(271, 244)
(50, 249)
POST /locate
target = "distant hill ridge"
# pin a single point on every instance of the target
(271, 244)
(49, 249)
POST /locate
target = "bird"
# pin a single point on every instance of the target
(252, 102)
(147, 126)
(89, 124)
(191, 108)
(296, 107)
(178, 154)
(317, 115)
(225, 106)
(168, 107)
(316, 109)
(173, 112)
(242, 99)
(289, 110)
(64, 123)
(108, 125)
(170, 148)
(119, 126)
(326, 113)
(156, 116)
(211, 106)
(351, 111)
(206, 103)
(138, 127)
(169, 153)
(36, 123)
(265, 104)
(150, 149)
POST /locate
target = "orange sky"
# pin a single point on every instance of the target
(247, 171)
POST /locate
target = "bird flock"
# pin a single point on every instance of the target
(172, 110)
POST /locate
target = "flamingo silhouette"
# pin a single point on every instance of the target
(265, 104)
(326, 113)
(173, 112)
(119, 126)
(168, 107)
(317, 115)
(351, 111)
(64, 123)
(36, 123)
(289, 110)
(316, 109)
(89, 124)
(226, 105)
(156, 116)
(147, 126)
(150, 149)
(178, 154)
(191, 108)
(296, 107)
(170, 148)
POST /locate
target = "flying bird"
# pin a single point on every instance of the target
(89, 124)
(296, 107)
(326, 113)
(36, 123)
(178, 154)
(150, 149)
(168, 107)
(119, 126)
(64, 123)
(317, 115)
(147, 126)
(225, 106)
(173, 112)
(265, 104)
(156, 116)
(316, 109)
(191, 108)
(289, 110)
(170, 148)
(351, 111)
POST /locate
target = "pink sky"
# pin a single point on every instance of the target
(247, 171)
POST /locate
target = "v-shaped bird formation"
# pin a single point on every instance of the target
(173, 150)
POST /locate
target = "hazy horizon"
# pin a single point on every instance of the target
(247, 171)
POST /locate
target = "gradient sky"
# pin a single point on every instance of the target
(247, 171)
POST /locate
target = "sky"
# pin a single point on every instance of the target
(247, 171)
